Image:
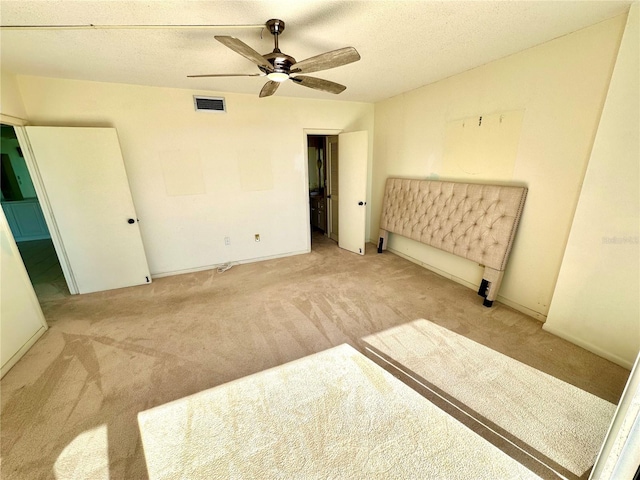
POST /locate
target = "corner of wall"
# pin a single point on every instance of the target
(603, 246)
(11, 104)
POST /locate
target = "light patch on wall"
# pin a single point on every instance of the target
(182, 171)
(482, 146)
(255, 170)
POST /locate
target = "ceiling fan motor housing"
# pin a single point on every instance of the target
(281, 62)
(278, 66)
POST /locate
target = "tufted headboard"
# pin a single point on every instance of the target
(474, 221)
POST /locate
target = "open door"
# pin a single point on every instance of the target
(21, 319)
(352, 189)
(83, 177)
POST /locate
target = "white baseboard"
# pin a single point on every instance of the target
(235, 262)
(442, 273)
(516, 306)
(589, 346)
(521, 308)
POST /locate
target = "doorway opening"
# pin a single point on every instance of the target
(323, 160)
(22, 209)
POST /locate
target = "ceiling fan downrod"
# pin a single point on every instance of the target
(281, 62)
(276, 27)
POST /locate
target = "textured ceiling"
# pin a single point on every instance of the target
(403, 44)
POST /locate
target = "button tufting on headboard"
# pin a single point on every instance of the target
(474, 221)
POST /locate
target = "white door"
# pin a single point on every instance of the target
(85, 183)
(332, 187)
(21, 319)
(352, 189)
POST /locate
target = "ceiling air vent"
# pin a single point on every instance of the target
(209, 104)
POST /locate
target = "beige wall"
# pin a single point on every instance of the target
(244, 170)
(596, 303)
(10, 98)
(561, 86)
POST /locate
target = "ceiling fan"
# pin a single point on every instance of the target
(279, 67)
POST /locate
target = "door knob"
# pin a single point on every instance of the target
(131, 220)
(362, 203)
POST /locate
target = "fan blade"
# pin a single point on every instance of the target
(325, 61)
(269, 89)
(319, 84)
(228, 75)
(245, 50)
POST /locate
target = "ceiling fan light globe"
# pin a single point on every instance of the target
(278, 76)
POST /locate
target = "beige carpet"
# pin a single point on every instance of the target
(110, 355)
(557, 420)
(335, 414)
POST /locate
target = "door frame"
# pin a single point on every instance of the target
(331, 210)
(305, 187)
(41, 193)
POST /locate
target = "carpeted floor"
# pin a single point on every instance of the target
(333, 414)
(560, 425)
(110, 355)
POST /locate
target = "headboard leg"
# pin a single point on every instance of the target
(484, 286)
(491, 280)
(383, 240)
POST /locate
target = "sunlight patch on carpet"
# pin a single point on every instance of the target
(559, 420)
(87, 456)
(334, 414)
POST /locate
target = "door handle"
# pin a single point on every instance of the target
(131, 220)
(362, 203)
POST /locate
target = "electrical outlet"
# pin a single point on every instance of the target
(257, 237)
(227, 241)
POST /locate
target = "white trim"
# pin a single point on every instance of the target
(305, 138)
(516, 306)
(11, 120)
(332, 170)
(18, 125)
(43, 199)
(619, 455)
(589, 346)
(236, 262)
(521, 308)
(442, 273)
